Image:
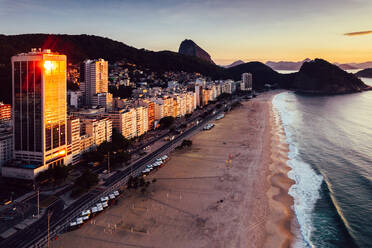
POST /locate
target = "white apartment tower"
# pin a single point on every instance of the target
(94, 83)
(246, 84)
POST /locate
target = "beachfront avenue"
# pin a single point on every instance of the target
(36, 235)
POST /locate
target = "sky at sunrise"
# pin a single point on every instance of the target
(336, 30)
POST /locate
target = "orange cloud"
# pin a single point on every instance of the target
(359, 33)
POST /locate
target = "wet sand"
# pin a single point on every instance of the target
(230, 189)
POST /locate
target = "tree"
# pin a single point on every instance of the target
(105, 147)
(60, 172)
(135, 182)
(93, 156)
(187, 143)
(43, 176)
(183, 125)
(71, 85)
(119, 142)
(57, 173)
(121, 157)
(122, 91)
(166, 122)
(83, 183)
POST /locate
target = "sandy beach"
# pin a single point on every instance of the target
(230, 189)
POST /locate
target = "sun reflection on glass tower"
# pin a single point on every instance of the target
(39, 100)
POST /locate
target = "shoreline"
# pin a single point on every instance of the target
(281, 226)
(227, 190)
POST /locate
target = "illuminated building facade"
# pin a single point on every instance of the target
(5, 112)
(98, 128)
(39, 107)
(142, 120)
(150, 105)
(73, 140)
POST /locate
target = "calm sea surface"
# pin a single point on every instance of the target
(330, 142)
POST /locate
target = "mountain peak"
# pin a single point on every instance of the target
(238, 62)
(190, 48)
(321, 77)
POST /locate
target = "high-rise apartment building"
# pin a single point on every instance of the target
(6, 144)
(99, 128)
(73, 140)
(199, 95)
(159, 110)
(40, 109)
(246, 84)
(142, 119)
(124, 121)
(150, 105)
(190, 102)
(94, 83)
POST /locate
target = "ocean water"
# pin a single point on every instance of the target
(330, 140)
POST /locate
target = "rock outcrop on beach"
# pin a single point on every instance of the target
(321, 77)
(366, 73)
(190, 48)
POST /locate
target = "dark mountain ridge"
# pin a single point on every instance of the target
(190, 48)
(321, 77)
(238, 62)
(261, 74)
(367, 73)
(286, 65)
(79, 47)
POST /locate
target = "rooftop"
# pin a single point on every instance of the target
(38, 51)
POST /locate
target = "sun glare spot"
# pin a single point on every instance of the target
(48, 65)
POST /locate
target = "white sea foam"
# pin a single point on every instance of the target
(306, 190)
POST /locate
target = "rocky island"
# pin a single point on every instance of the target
(320, 77)
(366, 73)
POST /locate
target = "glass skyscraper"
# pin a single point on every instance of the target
(39, 108)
